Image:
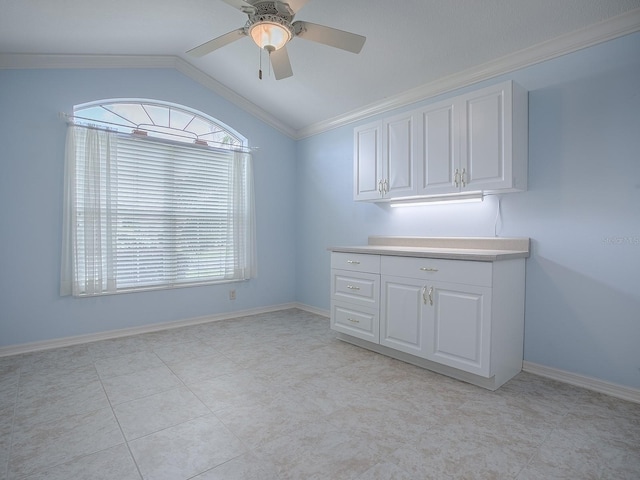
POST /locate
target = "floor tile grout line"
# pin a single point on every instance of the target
(213, 468)
(540, 445)
(78, 456)
(124, 438)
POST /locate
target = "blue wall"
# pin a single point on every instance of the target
(31, 180)
(582, 212)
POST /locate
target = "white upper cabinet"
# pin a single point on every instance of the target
(493, 139)
(438, 154)
(384, 158)
(367, 161)
(472, 142)
(399, 145)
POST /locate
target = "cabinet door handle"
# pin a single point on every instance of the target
(353, 320)
(353, 262)
(463, 176)
(351, 287)
(427, 296)
(380, 188)
(456, 178)
(428, 269)
(385, 186)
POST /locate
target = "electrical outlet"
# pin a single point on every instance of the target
(232, 294)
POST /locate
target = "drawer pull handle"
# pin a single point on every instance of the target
(353, 262)
(428, 269)
(351, 287)
(353, 320)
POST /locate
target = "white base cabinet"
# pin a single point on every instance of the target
(355, 295)
(459, 321)
(403, 325)
(461, 318)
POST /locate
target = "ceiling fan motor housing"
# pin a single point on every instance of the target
(269, 26)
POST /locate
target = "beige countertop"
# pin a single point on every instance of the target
(485, 249)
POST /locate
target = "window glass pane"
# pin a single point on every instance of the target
(133, 112)
(200, 127)
(159, 114)
(179, 120)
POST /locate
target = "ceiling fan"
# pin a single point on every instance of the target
(271, 26)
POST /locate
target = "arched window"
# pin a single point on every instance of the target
(160, 120)
(156, 196)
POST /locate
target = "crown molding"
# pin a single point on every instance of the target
(35, 60)
(207, 81)
(603, 31)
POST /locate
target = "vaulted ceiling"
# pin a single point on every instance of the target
(417, 46)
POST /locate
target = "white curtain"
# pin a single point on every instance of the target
(244, 227)
(88, 243)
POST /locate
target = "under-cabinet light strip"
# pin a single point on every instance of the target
(439, 200)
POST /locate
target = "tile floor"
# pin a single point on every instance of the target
(276, 396)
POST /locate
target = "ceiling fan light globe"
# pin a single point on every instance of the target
(270, 36)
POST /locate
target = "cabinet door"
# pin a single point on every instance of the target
(485, 153)
(401, 310)
(399, 144)
(438, 152)
(458, 318)
(367, 162)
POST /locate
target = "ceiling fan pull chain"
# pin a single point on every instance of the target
(260, 62)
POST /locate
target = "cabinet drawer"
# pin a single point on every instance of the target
(356, 262)
(361, 288)
(356, 321)
(437, 269)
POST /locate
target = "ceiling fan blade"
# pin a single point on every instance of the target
(280, 63)
(241, 5)
(329, 36)
(296, 5)
(284, 8)
(216, 43)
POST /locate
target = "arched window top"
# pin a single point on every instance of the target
(158, 119)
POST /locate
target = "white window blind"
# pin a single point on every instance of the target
(169, 214)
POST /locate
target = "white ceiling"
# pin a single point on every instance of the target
(410, 43)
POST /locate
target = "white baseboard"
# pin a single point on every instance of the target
(125, 332)
(590, 383)
(314, 310)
